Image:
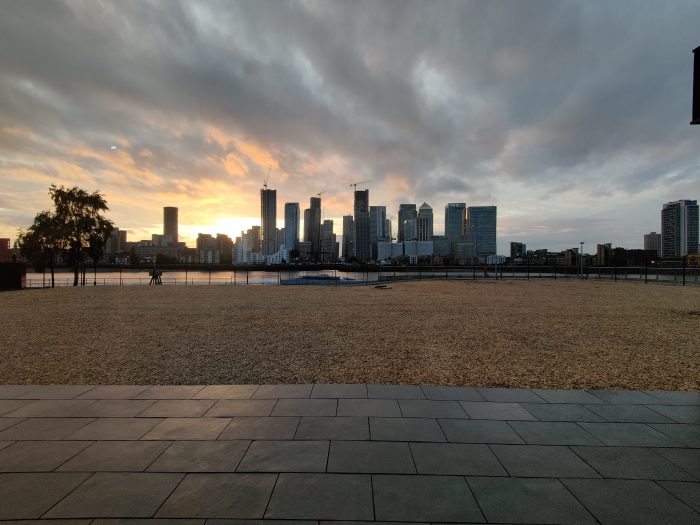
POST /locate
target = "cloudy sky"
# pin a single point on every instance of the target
(571, 117)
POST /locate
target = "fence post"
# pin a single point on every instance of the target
(684, 258)
(646, 271)
(615, 272)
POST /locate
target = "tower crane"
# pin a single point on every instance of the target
(355, 184)
(267, 177)
(321, 193)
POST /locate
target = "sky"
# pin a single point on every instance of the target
(571, 117)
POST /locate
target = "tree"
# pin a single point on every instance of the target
(42, 242)
(78, 215)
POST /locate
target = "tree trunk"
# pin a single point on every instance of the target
(53, 284)
(76, 270)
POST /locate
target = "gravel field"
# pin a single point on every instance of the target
(549, 334)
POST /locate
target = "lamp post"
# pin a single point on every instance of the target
(581, 259)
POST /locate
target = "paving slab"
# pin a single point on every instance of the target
(322, 497)
(498, 411)
(553, 433)
(226, 392)
(115, 456)
(629, 434)
(241, 407)
(38, 456)
(178, 408)
(451, 393)
(200, 456)
(623, 397)
(431, 408)
(369, 407)
(674, 398)
(52, 408)
(424, 498)
(261, 428)
(113, 392)
(171, 392)
(7, 422)
(339, 391)
(631, 463)
(336, 427)
(686, 458)
(140, 521)
(395, 392)
(29, 496)
(456, 459)
(115, 408)
(43, 429)
(561, 412)
(285, 456)
(688, 493)
(282, 391)
(630, 502)
(370, 457)
(115, 428)
(305, 407)
(688, 435)
(220, 521)
(14, 391)
(49, 522)
(510, 395)
(117, 494)
(479, 431)
(405, 429)
(10, 405)
(628, 414)
(566, 396)
(219, 496)
(177, 428)
(523, 500)
(56, 391)
(679, 413)
(540, 461)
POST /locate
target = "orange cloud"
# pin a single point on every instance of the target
(397, 183)
(256, 153)
(235, 166)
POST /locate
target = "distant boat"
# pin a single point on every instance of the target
(328, 280)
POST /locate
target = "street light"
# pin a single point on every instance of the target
(581, 258)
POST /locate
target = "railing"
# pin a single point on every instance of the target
(652, 274)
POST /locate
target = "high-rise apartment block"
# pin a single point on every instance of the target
(518, 250)
(312, 228)
(652, 241)
(424, 223)
(291, 225)
(363, 250)
(377, 228)
(679, 228)
(170, 222)
(268, 216)
(329, 246)
(407, 212)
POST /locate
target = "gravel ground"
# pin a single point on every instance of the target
(549, 334)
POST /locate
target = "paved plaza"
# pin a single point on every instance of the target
(317, 453)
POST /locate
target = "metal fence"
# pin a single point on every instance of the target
(652, 274)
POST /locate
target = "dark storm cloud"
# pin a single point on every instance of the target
(447, 101)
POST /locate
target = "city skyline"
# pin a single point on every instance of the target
(575, 126)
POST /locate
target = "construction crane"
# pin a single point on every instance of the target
(267, 178)
(321, 193)
(355, 184)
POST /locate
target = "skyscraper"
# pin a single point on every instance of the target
(329, 246)
(312, 227)
(406, 212)
(481, 229)
(268, 225)
(455, 219)
(170, 222)
(679, 228)
(291, 225)
(363, 249)
(425, 222)
(377, 227)
(518, 249)
(348, 236)
(652, 241)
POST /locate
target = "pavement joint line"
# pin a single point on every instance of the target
(155, 512)
(70, 458)
(269, 499)
(566, 487)
(68, 494)
(656, 482)
(159, 455)
(471, 491)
